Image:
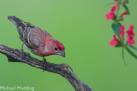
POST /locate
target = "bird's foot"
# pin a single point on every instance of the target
(44, 63)
(21, 54)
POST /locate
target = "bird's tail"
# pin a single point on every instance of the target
(16, 21)
(19, 23)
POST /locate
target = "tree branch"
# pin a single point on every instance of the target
(62, 69)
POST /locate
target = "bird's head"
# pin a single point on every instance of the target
(54, 47)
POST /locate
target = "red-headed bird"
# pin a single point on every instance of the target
(38, 41)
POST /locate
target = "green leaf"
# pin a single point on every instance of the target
(126, 8)
(116, 27)
(135, 56)
(118, 45)
(110, 3)
(133, 47)
(123, 56)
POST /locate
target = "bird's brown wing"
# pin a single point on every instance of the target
(30, 38)
(34, 37)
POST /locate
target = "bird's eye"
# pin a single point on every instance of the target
(56, 48)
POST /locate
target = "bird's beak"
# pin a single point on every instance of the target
(62, 53)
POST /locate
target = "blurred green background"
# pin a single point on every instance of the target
(82, 27)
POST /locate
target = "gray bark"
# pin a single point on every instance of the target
(62, 69)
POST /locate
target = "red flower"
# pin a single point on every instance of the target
(124, 3)
(114, 41)
(125, 13)
(121, 32)
(130, 31)
(130, 41)
(114, 8)
(122, 18)
(111, 14)
(130, 35)
(131, 27)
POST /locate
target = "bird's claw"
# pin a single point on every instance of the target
(44, 64)
(21, 54)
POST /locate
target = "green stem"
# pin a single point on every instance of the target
(131, 52)
(122, 42)
(118, 9)
(123, 56)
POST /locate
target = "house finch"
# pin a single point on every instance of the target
(38, 41)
